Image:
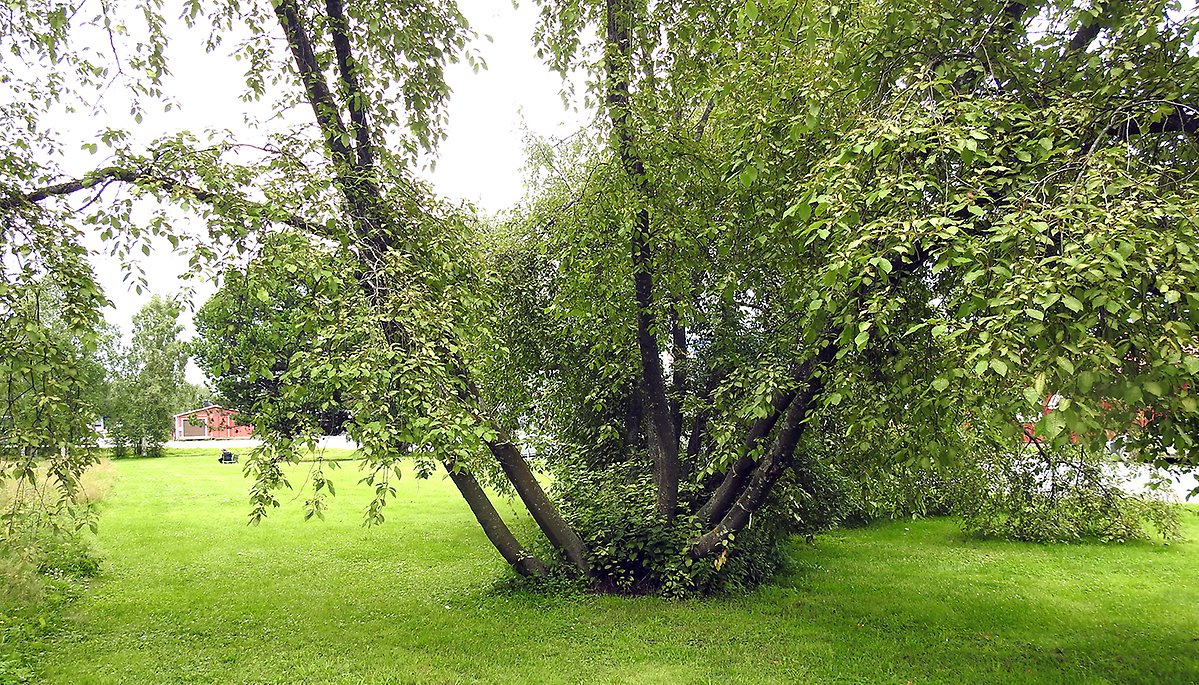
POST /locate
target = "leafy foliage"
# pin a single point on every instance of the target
(1061, 496)
(248, 332)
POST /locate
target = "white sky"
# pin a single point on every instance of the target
(480, 161)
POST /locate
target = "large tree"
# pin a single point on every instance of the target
(263, 315)
(888, 223)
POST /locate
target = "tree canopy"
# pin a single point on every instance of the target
(894, 226)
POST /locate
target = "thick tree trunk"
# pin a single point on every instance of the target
(663, 440)
(372, 221)
(538, 503)
(762, 479)
(494, 527)
(734, 480)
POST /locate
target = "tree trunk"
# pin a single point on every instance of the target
(734, 481)
(494, 527)
(373, 224)
(538, 503)
(663, 443)
(776, 460)
(763, 478)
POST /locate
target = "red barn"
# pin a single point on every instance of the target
(213, 421)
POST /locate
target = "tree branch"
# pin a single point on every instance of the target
(324, 107)
(147, 180)
(354, 96)
(1182, 120)
(680, 381)
(1087, 32)
(702, 125)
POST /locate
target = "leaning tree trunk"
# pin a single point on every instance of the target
(355, 177)
(493, 526)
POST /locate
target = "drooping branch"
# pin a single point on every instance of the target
(663, 441)
(227, 203)
(998, 37)
(514, 465)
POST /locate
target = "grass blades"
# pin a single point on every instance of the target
(191, 594)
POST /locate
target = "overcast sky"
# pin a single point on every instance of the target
(480, 161)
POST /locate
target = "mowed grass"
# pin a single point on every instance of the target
(191, 594)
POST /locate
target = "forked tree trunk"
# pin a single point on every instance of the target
(355, 176)
(538, 503)
(762, 479)
(738, 474)
(494, 527)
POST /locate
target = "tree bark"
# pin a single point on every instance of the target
(355, 176)
(734, 480)
(497, 531)
(522, 478)
(538, 503)
(776, 460)
(663, 443)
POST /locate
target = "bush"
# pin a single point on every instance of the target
(1058, 496)
(633, 551)
(893, 491)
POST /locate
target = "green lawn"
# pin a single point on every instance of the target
(191, 594)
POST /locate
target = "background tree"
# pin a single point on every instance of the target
(147, 386)
(249, 330)
(883, 223)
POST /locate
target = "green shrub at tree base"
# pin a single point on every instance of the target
(634, 551)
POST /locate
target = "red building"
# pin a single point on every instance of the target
(213, 421)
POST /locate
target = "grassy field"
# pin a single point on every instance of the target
(191, 594)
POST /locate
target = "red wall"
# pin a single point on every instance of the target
(219, 420)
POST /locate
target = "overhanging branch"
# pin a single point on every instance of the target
(1180, 121)
(149, 180)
